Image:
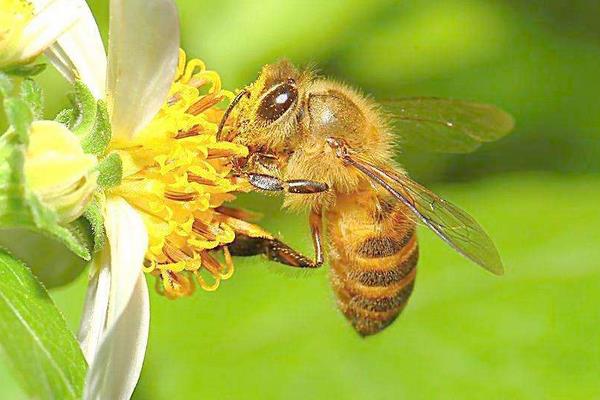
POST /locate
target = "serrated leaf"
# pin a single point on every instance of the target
(85, 108)
(41, 350)
(111, 171)
(98, 139)
(31, 93)
(93, 214)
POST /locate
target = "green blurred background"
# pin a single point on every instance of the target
(533, 334)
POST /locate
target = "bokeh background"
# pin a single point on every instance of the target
(533, 334)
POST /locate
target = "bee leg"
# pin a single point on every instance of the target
(273, 249)
(315, 221)
(274, 184)
(276, 250)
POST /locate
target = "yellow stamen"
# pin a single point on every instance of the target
(177, 175)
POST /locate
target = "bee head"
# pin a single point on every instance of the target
(266, 111)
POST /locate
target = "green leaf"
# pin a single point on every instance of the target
(111, 171)
(31, 93)
(93, 214)
(26, 70)
(33, 334)
(85, 109)
(97, 140)
(51, 261)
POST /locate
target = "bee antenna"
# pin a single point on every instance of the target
(231, 106)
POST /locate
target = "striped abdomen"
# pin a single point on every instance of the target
(373, 255)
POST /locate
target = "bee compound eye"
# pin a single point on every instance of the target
(276, 102)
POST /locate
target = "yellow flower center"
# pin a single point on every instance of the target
(177, 175)
(14, 17)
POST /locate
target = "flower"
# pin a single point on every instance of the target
(166, 214)
(58, 171)
(27, 28)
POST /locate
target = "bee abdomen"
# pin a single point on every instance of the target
(371, 316)
(387, 277)
(384, 246)
(372, 291)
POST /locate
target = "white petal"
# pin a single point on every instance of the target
(118, 364)
(143, 51)
(50, 21)
(95, 310)
(128, 241)
(79, 52)
(115, 367)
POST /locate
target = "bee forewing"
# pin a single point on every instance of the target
(454, 226)
(445, 125)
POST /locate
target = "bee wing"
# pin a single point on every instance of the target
(445, 125)
(454, 226)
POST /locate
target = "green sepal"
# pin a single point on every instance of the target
(98, 139)
(31, 93)
(94, 216)
(66, 117)
(26, 70)
(111, 171)
(19, 117)
(84, 106)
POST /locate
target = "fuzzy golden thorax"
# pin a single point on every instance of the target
(288, 115)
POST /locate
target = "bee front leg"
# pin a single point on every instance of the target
(298, 186)
(276, 250)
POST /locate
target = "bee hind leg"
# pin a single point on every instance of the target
(273, 249)
(276, 250)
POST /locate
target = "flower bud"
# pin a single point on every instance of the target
(57, 170)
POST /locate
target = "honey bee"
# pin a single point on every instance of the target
(330, 149)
